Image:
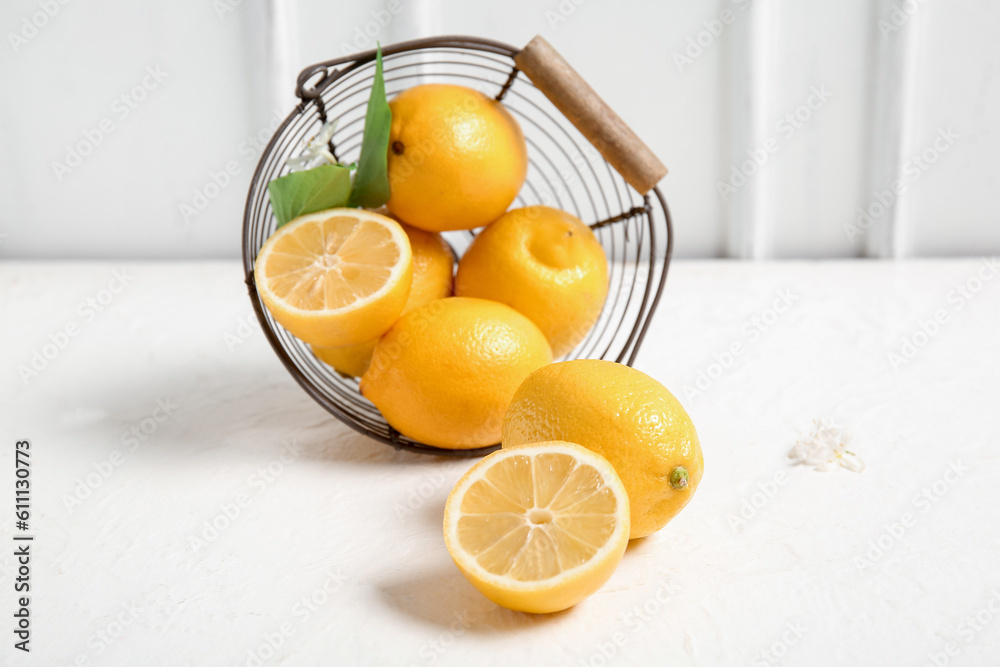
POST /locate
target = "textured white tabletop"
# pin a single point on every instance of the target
(192, 506)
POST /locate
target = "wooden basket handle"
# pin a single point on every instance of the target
(605, 129)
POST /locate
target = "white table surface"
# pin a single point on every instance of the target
(355, 526)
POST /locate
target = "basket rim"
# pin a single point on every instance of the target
(309, 96)
(364, 57)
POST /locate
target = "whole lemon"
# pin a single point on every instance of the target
(349, 360)
(457, 158)
(544, 263)
(433, 265)
(622, 414)
(444, 373)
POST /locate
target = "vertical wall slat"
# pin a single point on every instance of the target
(283, 51)
(279, 62)
(886, 223)
(748, 235)
(417, 18)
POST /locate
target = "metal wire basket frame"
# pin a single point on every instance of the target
(564, 171)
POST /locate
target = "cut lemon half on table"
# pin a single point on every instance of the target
(539, 527)
(337, 277)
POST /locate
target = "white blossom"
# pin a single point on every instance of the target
(317, 151)
(826, 448)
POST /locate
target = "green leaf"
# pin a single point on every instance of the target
(301, 192)
(371, 182)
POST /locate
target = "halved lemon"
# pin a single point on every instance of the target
(433, 264)
(538, 527)
(337, 277)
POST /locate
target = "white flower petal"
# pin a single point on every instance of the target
(317, 151)
(852, 462)
(326, 132)
(825, 448)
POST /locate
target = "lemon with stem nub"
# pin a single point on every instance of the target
(624, 415)
(456, 160)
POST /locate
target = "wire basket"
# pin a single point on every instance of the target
(565, 170)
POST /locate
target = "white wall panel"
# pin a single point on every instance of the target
(124, 196)
(818, 104)
(702, 82)
(954, 206)
(332, 29)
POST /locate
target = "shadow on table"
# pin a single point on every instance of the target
(443, 598)
(254, 410)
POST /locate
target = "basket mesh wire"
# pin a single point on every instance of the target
(564, 171)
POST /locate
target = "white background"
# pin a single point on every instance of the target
(230, 66)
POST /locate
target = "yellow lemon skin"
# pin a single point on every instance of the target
(349, 360)
(576, 590)
(457, 159)
(444, 373)
(622, 414)
(544, 263)
(536, 566)
(433, 267)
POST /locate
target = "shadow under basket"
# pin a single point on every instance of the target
(565, 170)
